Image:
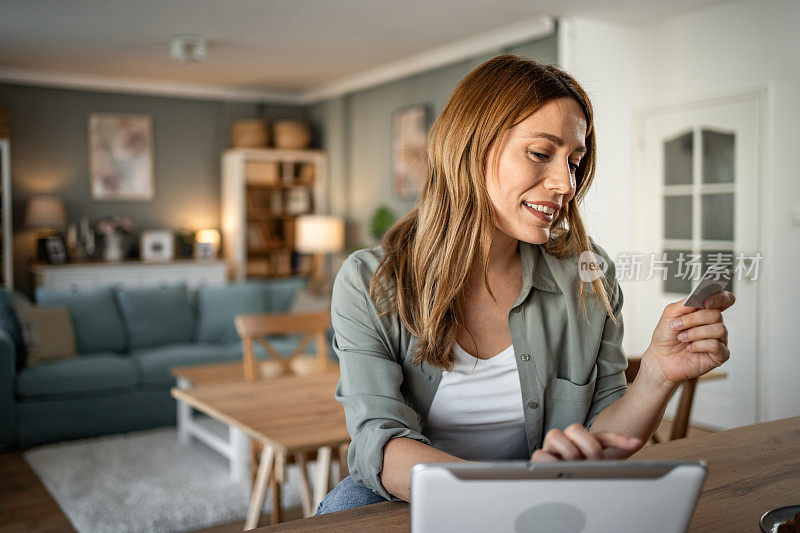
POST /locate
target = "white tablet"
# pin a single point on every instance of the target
(564, 497)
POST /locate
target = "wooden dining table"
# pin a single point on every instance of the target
(751, 470)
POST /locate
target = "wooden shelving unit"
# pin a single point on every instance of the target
(263, 192)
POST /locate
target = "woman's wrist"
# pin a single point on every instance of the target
(652, 378)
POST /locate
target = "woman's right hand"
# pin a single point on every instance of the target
(575, 443)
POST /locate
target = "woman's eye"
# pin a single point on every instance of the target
(539, 155)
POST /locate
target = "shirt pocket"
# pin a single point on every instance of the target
(567, 402)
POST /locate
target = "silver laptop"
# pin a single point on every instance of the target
(563, 497)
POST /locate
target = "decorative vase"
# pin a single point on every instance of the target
(113, 247)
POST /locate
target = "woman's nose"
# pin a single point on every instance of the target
(561, 180)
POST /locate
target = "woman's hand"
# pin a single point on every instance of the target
(688, 342)
(575, 443)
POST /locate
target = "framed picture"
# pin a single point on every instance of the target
(53, 250)
(121, 156)
(409, 150)
(157, 246)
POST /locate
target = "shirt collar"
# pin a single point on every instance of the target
(536, 271)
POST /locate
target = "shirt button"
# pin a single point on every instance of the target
(525, 357)
(533, 405)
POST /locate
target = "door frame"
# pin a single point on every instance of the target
(761, 96)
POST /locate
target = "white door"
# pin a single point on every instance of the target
(698, 203)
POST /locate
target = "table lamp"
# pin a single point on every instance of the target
(206, 244)
(47, 215)
(318, 235)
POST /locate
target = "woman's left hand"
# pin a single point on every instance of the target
(689, 342)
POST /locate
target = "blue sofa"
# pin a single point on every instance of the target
(127, 340)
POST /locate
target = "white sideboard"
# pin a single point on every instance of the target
(76, 277)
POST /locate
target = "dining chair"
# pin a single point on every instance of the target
(680, 425)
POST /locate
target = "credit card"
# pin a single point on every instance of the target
(713, 281)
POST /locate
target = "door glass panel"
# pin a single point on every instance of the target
(717, 217)
(677, 269)
(718, 150)
(678, 155)
(678, 217)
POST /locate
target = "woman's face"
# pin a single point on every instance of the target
(536, 168)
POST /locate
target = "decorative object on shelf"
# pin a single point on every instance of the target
(157, 245)
(114, 231)
(319, 235)
(47, 215)
(206, 244)
(54, 249)
(409, 149)
(250, 133)
(184, 243)
(86, 236)
(291, 134)
(121, 156)
(382, 219)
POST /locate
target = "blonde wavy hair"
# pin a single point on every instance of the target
(428, 253)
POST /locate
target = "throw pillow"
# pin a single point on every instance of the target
(48, 332)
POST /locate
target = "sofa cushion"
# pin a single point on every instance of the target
(217, 307)
(154, 363)
(154, 317)
(98, 326)
(9, 322)
(88, 375)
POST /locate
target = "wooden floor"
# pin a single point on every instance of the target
(25, 504)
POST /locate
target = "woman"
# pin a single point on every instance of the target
(469, 334)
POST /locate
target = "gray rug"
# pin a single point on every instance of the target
(146, 481)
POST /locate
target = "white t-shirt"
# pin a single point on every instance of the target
(477, 413)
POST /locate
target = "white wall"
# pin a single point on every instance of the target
(714, 50)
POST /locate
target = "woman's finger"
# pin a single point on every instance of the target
(707, 346)
(586, 443)
(697, 318)
(615, 440)
(716, 330)
(557, 443)
(721, 301)
(541, 456)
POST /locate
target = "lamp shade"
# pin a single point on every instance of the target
(318, 234)
(208, 236)
(45, 212)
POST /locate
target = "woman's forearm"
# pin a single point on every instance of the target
(399, 456)
(639, 412)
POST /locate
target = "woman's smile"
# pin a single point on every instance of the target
(545, 213)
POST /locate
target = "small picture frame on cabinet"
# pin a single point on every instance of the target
(157, 246)
(53, 250)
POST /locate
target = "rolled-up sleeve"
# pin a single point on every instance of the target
(371, 376)
(611, 360)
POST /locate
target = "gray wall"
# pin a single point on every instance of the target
(49, 155)
(355, 131)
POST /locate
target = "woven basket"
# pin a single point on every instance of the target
(291, 134)
(249, 134)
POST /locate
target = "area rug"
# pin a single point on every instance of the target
(146, 481)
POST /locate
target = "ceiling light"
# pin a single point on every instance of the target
(187, 48)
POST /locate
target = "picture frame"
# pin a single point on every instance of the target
(157, 246)
(121, 156)
(409, 149)
(53, 249)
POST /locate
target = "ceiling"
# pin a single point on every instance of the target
(274, 49)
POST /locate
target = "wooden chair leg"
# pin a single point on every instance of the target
(343, 469)
(323, 474)
(275, 500)
(259, 489)
(305, 486)
(680, 425)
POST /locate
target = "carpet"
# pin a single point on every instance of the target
(146, 481)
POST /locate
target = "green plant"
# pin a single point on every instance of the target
(382, 219)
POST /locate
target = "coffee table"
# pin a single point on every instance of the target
(291, 416)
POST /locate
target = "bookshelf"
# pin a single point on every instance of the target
(263, 192)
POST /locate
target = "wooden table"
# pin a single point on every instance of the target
(290, 416)
(750, 470)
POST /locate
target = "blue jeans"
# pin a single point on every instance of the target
(347, 495)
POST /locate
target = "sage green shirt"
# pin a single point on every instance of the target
(571, 366)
